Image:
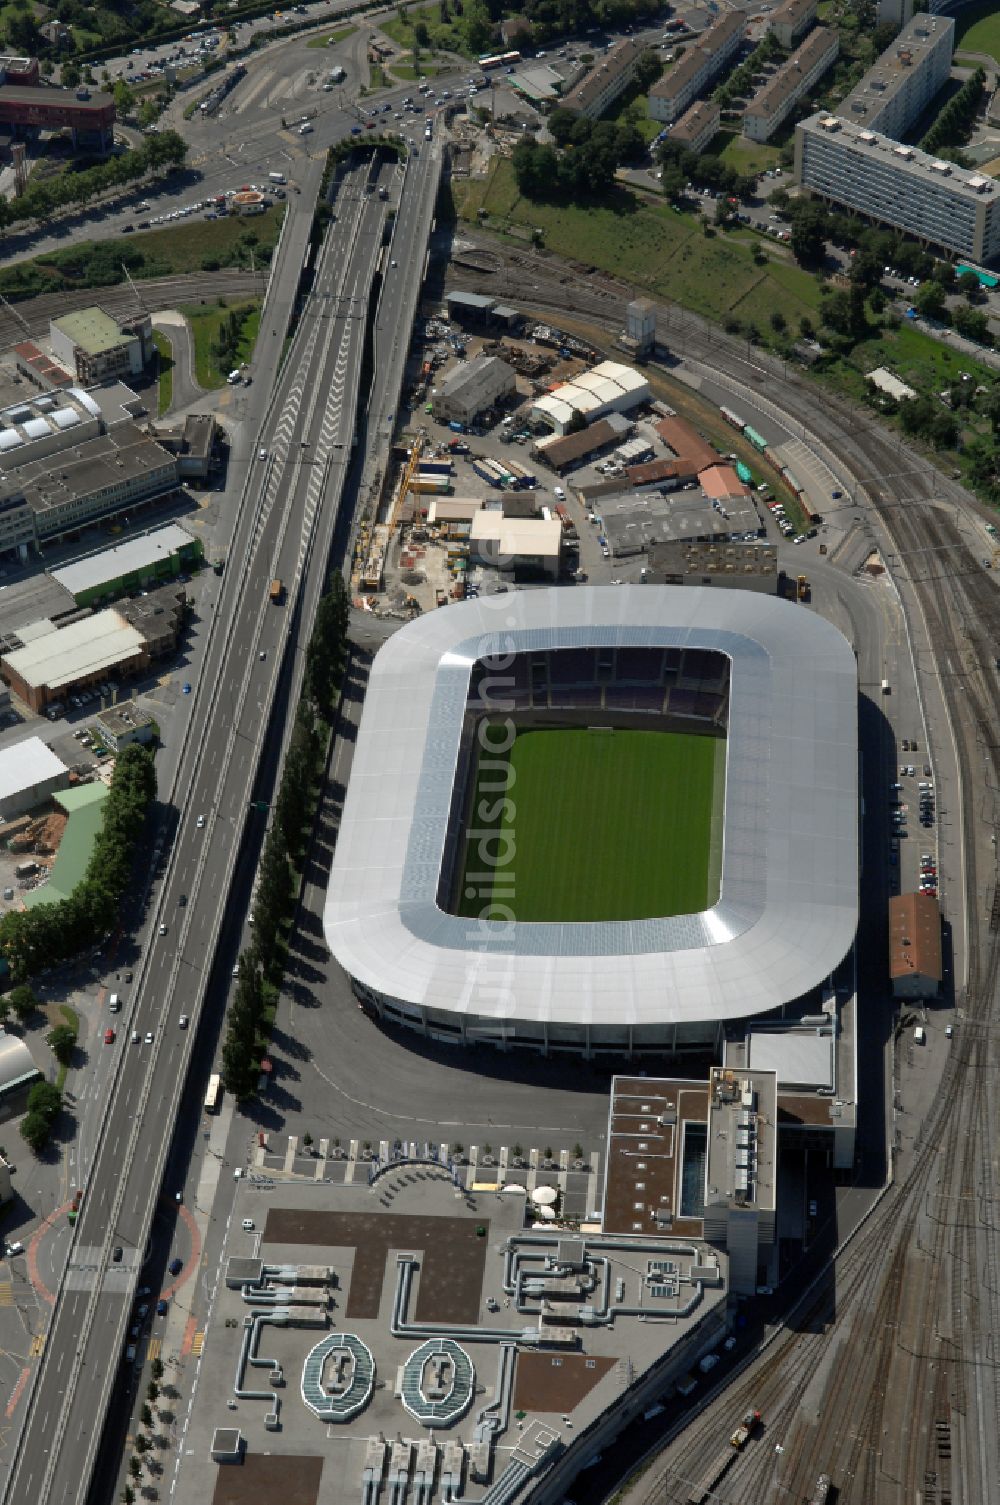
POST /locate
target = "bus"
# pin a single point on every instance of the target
(213, 1096)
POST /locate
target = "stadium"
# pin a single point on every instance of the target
(600, 819)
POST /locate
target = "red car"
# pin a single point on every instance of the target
(109, 1037)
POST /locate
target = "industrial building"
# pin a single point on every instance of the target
(915, 963)
(633, 521)
(45, 425)
(899, 87)
(41, 368)
(55, 661)
(30, 773)
(791, 20)
(515, 543)
(99, 347)
(610, 77)
(772, 105)
(745, 566)
(131, 566)
(99, 478)
(481, 315)
(722, 484)
(26, 107)
(788, 900)
(192, 441)
(687, 445)
(472, 387)
(945, 206)
(44, 661)
(606, 388)
(697, 126)
(700, 65)
(561, 452)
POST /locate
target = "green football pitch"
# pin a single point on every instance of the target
(604, 825)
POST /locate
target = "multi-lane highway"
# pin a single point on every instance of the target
(288, 513)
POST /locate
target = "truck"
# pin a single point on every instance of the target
(336, 75)
(383, 192)
(804, 589)
(480, 469)
(885, 687)
(456, 427)
(277, 177)
(277, 592)
(686, 1384)
(745, 1430)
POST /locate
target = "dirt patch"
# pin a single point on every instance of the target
(260, 1480)
(551, 1382)
(451, 1269)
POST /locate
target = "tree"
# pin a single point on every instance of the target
(62, 1042)
(808, 240)
(970, 285)
(647, 70)
(577, 423)
(972, 324)
(930, 299)
(944, 430)
(778, 321)
(153, 1389)
(134, 1467)
(146, 1416)
(673, 181)
(916, 414)
(22, 1000)
(421, 34)
(124, 98)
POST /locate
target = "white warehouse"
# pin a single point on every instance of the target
(607, 388)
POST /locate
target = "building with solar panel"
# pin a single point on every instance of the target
(600, 820)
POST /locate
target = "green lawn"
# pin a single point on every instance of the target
(165, 370)
(447, 37)
(331, 38)
(606, 826)
(977, 29)
(746, 156)
(206, 321)
(650, 244)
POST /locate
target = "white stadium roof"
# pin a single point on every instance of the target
(788, 906)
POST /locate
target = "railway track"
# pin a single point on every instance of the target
(157, 293)
(863, 1341)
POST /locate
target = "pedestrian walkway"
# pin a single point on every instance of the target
(476, 1168)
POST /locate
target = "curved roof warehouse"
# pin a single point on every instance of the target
(787, 903)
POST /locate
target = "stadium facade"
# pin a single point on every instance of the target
(787, 909)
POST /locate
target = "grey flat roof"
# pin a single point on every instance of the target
(788, 905)
(124, 559)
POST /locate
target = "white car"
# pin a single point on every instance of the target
(149, 1037)
(262, 455)
(163, 929)
(183, 1021)
(201, 823)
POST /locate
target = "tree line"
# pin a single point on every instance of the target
(954, 124)
(32, 939)
(261, 964)
(42, 198)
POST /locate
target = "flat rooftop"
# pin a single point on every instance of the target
(893, 70)
(128, 558)
(92, 330)
(26, 764)
(435, 1312)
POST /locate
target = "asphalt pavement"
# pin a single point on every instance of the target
(306, 434)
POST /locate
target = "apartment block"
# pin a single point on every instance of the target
(945, 206)
(899, 87)
(773, 104)
(898, 12)
(697, 125)
(791, 21)
(704, 60)
(610, 77)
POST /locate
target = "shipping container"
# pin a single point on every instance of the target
(485, 474)
(435, 468)
(731, 417)
(431, 485)
(757, 440)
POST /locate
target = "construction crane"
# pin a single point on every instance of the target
(404, 484)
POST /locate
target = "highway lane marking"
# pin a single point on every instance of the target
(37, 1346)
(197, 1344)
(6, 1293)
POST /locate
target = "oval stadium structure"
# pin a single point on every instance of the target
(600, 819)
